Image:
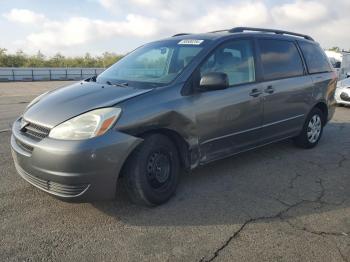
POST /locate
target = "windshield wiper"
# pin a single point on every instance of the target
(117, 84)
(90, 79)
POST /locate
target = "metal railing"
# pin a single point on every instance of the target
(47, 74)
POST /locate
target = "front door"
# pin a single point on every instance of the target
(229, 120)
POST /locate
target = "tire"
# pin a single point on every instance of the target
(151, 173)
(312, 130)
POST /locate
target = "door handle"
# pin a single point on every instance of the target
(255, 92)
(269, 90)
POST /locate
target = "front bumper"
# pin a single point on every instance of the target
(342, 96)
(72, 170)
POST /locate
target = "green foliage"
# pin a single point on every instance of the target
(335, 48)
(338, 49)
(20, 59)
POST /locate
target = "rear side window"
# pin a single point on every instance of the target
(279, 59)
(316, 59)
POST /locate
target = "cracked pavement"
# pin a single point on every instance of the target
(277, 203)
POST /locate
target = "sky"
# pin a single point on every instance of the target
(75, 27)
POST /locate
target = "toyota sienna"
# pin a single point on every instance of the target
(174, 105)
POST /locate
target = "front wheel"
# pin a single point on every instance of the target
(151, 173)
(312, 130)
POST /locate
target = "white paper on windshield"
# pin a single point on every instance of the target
(190, 42)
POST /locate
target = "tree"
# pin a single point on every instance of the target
(57, 60)
(40, 56)
(20, 59)
(109, 59)
(335, 48)
(3, 57)
(3, 51)
(37, 60)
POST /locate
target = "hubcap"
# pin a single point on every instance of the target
(158, 170)
(314, 129)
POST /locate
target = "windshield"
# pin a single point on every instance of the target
(155, 64)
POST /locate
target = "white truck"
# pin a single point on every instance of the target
(340, 62)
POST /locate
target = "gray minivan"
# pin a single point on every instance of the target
(173, 105)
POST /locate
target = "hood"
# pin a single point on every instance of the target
(64, 103)
(343, 83)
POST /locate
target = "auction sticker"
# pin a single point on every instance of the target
(190, 42)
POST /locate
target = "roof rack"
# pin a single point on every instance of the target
(180, 34)
(219, 31)
(279, 32)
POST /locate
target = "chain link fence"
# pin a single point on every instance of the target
(47, 74)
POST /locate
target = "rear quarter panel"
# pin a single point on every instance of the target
(324, 90)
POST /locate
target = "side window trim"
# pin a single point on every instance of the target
(306, 71)
(258, 68)
(262, 80)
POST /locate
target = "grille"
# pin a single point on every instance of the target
(53, 187)
(24, 146)
(36, 131)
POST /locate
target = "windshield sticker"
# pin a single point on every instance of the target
(190, 42)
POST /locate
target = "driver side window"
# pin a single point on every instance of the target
(235, 59)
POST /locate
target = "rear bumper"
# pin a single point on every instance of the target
(72, 170)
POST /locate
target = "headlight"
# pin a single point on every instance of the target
(35, 100)
(88, 125)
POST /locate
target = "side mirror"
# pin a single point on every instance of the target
(214, 81)
(347, 74)
(337, 64)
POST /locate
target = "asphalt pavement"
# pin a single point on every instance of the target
(277, 203)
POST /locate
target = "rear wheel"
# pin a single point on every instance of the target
(151, 172)
(312, 130)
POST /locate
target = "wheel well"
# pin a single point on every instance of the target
(324, 109)
(179, 142)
